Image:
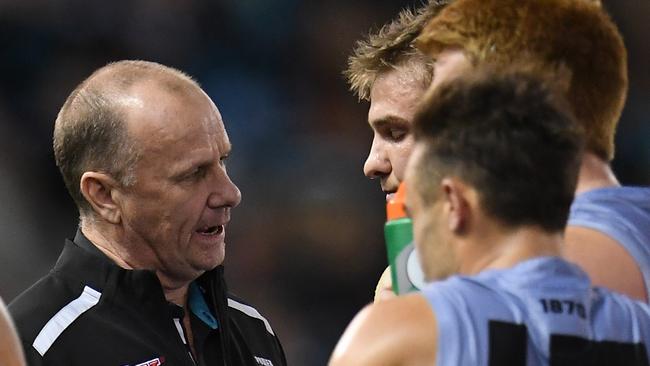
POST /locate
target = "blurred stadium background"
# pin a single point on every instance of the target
(306, 243)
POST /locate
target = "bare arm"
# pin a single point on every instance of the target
(400, 331)
(606, 262)
(11, 352)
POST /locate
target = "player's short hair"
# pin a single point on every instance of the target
(391, 47)
(577, 35)
(508, 135)
(90, 131)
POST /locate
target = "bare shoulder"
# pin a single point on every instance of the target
(605, 260)
(399, 331)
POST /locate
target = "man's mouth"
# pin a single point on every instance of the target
(210, 230)
(389, 188)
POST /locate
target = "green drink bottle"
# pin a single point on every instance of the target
(405, 269)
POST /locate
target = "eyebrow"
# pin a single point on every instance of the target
(189, 165)
(388, 120)
(186, 167)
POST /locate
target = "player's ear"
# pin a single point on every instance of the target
(99, 190)
(456, 204)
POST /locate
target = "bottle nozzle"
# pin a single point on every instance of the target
(395, 206)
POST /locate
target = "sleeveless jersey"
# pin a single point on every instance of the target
(622, 213)
(541, 312)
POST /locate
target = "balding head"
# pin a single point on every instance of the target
(91, 132)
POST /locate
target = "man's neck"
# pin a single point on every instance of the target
(109, 247)
(175, 291)
(513, 247)
(595, 173)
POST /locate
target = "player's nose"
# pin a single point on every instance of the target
(377, 163)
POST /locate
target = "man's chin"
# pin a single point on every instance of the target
(201, 262)
(211, 261)
(198, 268)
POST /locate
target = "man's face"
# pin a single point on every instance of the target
(430, 233)
(394, 98)
(176, 212)
(450, 63)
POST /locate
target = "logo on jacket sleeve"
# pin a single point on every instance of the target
(263, 361)
(155, 362)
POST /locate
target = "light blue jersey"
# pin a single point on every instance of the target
(622, 213)
(541, 312)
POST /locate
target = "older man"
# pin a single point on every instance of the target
(142, 151)
(490, 183)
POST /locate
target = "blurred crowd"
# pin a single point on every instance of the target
(306, 244)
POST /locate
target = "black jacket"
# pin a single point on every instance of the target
(89, 311)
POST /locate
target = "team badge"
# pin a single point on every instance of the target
(155, 362)
(263, 361)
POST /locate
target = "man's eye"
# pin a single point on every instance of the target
(197, 173)
(397, 134)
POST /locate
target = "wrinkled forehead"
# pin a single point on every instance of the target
(156, 114)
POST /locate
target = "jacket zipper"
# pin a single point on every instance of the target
(178, 323)
(218, 295)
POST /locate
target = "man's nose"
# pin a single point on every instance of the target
(377, 164)
(224, 192)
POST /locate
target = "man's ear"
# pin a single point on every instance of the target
(99, 190)
(456, 204)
